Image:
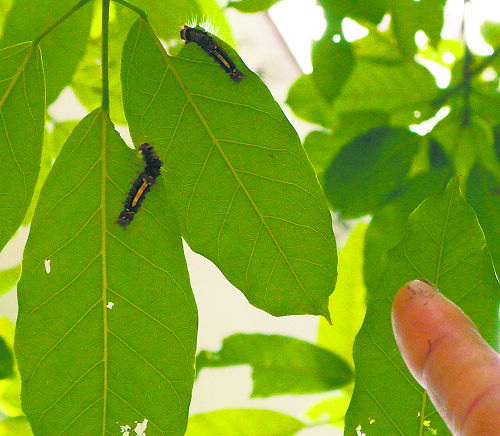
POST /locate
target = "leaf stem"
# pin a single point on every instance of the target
(137, 10)
(59, 21)
(105, 61)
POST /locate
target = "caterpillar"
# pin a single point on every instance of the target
(142, 185)
(210, 46)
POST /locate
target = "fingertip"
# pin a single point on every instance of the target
(445, 353)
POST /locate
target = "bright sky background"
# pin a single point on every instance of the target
(302, 21)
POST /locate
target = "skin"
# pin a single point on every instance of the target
(445, 353)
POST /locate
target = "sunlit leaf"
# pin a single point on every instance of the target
(445, 245)
(22, 105)
(18, 426)
(245, 193)
(281, 365)
(9, 278)
(334, 408)
(107, 337)
(384, 154)
(388, 225)
(243, 422)
(10, 388)
(483, 193)
(62, 48)
(348, 301)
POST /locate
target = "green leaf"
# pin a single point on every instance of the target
(22, 107)
(62, 48)
(483, 193)
(18, 426)
(486, 104)
(445, 245)
(322, 147)
(109, 335)
(348, 301)
(9, 278)
(490, 30)
(245, 193)
(468, 143)
(252, 6)
(409, 16)
(371, 10)
(384, 154)
(243, 422)
(334, 408)
(388, 225)
(332, 64)
(281, 365)
(6, 360)
(376, 85)
(308, 104)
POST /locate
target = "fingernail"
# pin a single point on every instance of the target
(422, 288)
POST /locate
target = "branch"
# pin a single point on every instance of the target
(105, 78)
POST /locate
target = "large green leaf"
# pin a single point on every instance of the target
(388, 225)
(444, 244)
(243, 422)
(483, 193)
(22, 106)
(368, 169)
(245, 193)
(281, 365)
(109, 335)
(62, 48)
